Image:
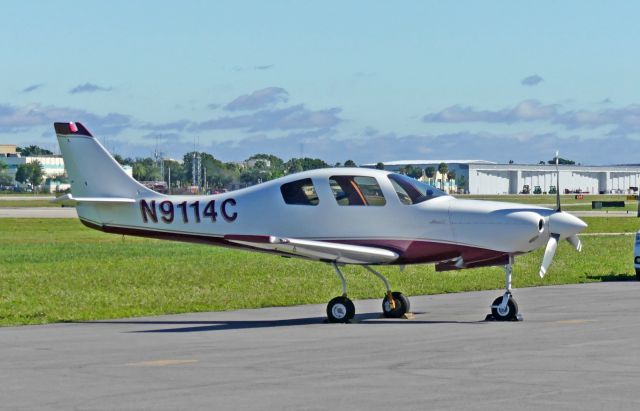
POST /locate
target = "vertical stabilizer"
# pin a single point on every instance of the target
(93, 172)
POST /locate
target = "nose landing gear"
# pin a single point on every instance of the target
(505, 308)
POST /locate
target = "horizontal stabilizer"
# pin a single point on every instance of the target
(105, 200)
(318, 250)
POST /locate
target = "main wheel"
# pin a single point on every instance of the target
(402, 305)
(340, 310)
(638, 274)
(508, 314)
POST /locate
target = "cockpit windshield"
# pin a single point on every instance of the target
(411, 191)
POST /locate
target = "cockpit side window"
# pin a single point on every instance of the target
(356, 190)
(300, 192)
(411, 191)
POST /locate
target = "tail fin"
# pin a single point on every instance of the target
(93, 172)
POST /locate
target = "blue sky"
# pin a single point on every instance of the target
(363, 80)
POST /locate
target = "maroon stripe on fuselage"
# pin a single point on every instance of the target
(421, 251)
(410, 251)
(248, 238)
(162, 235)
(489, 262)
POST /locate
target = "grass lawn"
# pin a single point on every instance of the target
(57, 270)
(611, 225)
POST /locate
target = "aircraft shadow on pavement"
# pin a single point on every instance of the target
(200, 326)
(612, 277)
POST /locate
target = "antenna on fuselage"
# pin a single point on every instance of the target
(558, 207)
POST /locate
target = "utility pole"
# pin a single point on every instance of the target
(194, 174)
(169, 186)
(199, 171)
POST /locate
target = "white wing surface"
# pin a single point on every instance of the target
(318, 250)
(70, 197)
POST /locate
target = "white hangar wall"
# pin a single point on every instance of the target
(511, 178)
(490, 182)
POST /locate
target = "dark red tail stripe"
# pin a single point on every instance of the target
(65, 129)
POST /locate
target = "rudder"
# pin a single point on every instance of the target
(93, 172)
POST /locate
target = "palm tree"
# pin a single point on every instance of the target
(451, 176)
(430, 172)
(442, 169)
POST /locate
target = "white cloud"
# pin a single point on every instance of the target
(258, 99)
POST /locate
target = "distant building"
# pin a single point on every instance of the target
(7, 150)
(53, 166)
(485, 177)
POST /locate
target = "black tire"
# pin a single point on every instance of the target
(511, 312)
(402, 305)
(340, 310)
(638, 274)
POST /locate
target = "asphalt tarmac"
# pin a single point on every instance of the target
(38, 212)
(577, 349)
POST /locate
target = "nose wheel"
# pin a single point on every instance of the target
(505, 308)
(504, 312)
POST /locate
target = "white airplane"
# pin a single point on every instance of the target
(339, 216)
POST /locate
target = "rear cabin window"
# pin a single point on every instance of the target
(356, 190)
(300, 192)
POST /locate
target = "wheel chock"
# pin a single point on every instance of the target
(490, 317)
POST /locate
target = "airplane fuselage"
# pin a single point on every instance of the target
(439, 229)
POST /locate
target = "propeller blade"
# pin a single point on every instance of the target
(574, 240)
(549, 252)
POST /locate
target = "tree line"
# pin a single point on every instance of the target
(216, 174)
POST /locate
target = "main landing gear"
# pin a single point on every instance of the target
(341, 309)
(505, 308)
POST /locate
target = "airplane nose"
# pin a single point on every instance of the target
(565, 224)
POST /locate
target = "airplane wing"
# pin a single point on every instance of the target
(69, 197)
(317, 250)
